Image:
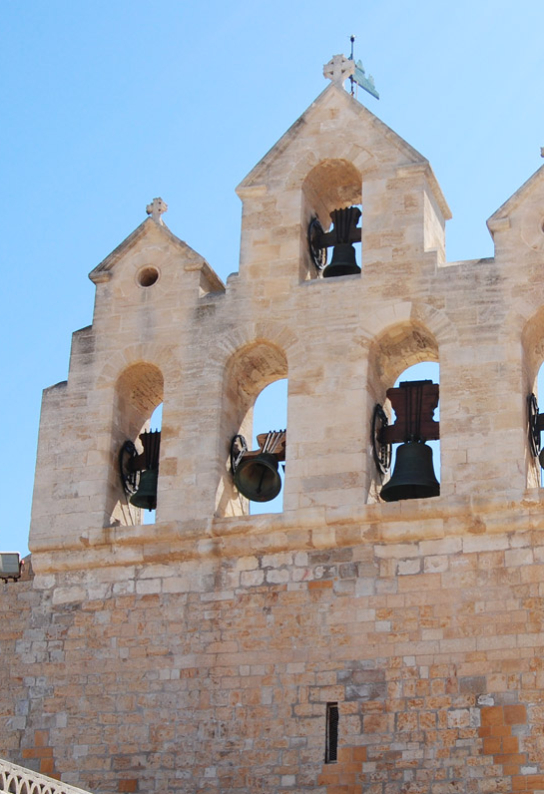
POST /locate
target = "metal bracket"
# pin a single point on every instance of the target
(318, 252)
(380, 449)
(534, 425)
(130, 477)
(238, 447)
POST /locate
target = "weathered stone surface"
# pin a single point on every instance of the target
(202, 652)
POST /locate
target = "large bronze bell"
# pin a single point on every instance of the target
(257, 478)
(146, 496)
(343, 262)
(413, 476)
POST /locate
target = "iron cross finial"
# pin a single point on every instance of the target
(156, 209)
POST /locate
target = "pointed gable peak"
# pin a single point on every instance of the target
(148, 228)
(501, 218)
(334, 106)
(154, 231)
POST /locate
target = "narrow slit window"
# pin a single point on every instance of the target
(331, 746)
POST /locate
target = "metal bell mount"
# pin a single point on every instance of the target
(536, 426)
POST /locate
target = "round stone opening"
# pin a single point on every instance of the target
(148, 276)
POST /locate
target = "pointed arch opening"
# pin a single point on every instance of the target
(139, 394)
(248, 374)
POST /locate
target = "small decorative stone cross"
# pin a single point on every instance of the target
(542, 151)
(156, 209)
(338, 69)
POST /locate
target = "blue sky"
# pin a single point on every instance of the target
(106, 104)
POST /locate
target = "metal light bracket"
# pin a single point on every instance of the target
(11, 565)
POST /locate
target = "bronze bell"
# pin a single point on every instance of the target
(343, 262)
(413, 476)
(257, 478)
(146, 496)
(346, 232)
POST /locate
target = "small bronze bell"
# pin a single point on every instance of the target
(413, 476)
(346, 232)
(146, 496)
(258, 478)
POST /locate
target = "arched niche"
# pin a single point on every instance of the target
(139, 390)
(249, 370)
(330, 185)
(396, 349)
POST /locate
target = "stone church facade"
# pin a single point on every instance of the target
(345, 644)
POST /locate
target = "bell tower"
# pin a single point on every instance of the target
(381, 633)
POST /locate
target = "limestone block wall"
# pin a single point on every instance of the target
(211, 668)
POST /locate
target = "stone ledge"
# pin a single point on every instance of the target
(478, 521)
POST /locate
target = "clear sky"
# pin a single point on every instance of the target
(106, 104)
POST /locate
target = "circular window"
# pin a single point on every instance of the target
(148, 276)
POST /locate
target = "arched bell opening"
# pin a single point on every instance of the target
(254, 445)
(136, 445)
(404, 425)
(535, 429)
(533, 398)
(331, 212)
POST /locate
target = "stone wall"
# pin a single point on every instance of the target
(214, 674)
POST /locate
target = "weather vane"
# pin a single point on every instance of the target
(359, 76)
